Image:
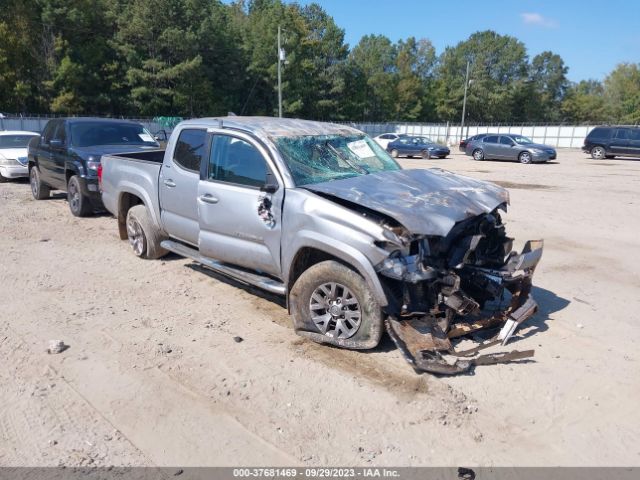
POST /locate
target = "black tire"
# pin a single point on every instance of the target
(79, 204)
(368, 333)
(525, 157)
(139, 223)
(39, 190)
(425, 154)
(598, 152)
(3, 179)
(394, 153)
(478, 155)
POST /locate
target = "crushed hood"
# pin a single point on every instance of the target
(426, 202)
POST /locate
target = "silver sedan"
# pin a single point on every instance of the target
(510, 147)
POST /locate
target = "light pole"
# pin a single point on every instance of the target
(280, 60)
(464, 102)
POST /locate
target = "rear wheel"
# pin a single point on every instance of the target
(394, 153)
(3, 179)
(39, 190)
(525, 157)
(478, 154)
(143, 235)
(79, 205)
(331, 303)
(598, 152)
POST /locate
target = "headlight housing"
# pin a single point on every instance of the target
(537, 150)
(8, 161)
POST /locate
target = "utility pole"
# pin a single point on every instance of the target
(464, 102)
(280, 55)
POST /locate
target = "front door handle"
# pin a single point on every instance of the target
(209, 199)
(170, 183)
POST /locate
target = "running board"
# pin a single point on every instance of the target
(265, 283)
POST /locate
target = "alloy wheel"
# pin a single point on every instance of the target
(335, 310)
(136, 236)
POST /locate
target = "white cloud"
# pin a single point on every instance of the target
(538, 20)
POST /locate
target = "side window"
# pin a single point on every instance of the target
(623, 134)
(235, 161)
(599, 133)
(60, 133)
(635, 134)
(49, 129)
(190, 148)
(404, 140)
(490, 139)
(506, 141)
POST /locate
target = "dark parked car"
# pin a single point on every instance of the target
(67, 157)
(417, 147)
(510, 147)
(608, 142)
(466, 141)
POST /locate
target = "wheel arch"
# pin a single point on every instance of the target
(314, 248)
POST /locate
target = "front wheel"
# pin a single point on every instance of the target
(525, 157)
(478, 155)
(598, 153)
(39, 190)
(394, 153)
(79, 204)
(426, 154)
(143, 235)
(330, 303)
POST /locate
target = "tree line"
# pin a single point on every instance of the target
(205, 57)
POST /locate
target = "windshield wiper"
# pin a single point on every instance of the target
(357, 168)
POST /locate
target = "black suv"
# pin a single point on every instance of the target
(609, 142)
(67, 156)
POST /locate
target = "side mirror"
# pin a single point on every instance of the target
(160, 136)
(269, 188)
(270, 184)
(56, 143)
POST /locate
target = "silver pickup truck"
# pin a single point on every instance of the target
(319, 213)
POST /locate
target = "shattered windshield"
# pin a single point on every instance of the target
(321, 158)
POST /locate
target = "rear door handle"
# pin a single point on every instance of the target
(209, 199)
(170, 183)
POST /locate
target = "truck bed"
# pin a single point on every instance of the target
(135, 173)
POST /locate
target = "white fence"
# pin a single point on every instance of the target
(561, 136)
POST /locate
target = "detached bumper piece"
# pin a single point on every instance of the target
(426, 342)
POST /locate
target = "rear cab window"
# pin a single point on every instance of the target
(490, 139)
(190, 149)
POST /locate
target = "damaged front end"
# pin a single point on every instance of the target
(444, 288)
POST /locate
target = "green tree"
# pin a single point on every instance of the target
(584, 102)
(373, 64)
(622, 93)
(498, 63)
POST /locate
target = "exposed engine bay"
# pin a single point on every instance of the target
(444, 288)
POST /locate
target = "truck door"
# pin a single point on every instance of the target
(621, 141)
(58, 156)
(43, 152)
(178, 185)
(240, 224)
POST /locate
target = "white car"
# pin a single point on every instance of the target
(384, 138)
(13, 153)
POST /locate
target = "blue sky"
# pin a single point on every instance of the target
(591, 36)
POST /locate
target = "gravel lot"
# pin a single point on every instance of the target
(153, 375)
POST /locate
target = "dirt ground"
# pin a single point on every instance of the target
(153, 375)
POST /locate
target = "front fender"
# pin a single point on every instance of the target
(341, 250)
